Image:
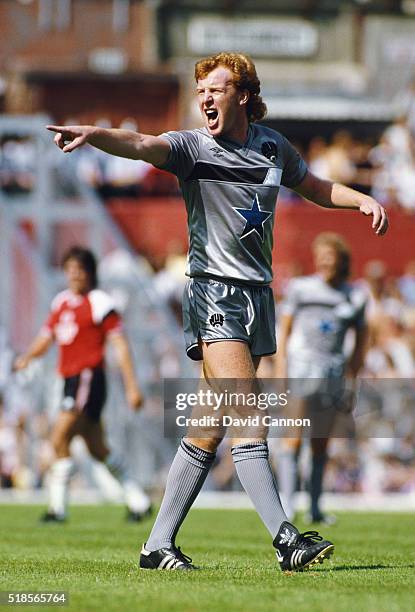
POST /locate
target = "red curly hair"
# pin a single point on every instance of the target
(244, 77)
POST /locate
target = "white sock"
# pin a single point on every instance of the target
(107, 484)
(135, 498)
(60, 474)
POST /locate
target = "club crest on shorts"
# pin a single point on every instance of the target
(216, 320)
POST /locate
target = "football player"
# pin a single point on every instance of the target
(230, 171)
(81, 320)
(317, 312)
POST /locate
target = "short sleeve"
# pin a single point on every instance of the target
(103, 311)
(290, 302)
(48, 326)
(295, 167)
(184, 152)
(112, 323)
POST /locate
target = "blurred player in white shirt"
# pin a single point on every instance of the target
(316, 314)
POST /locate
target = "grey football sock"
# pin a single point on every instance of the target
(316, 483)
(287, 479)
(256, 476)
(186, 477)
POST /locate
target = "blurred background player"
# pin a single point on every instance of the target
(81, 319)
(316, 314)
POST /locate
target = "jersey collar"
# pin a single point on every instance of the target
(234, 143)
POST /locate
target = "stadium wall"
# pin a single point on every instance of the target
(153, 225)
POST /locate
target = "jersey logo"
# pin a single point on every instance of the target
(326, 326)
(270, 150)
(254, 219)
(287, 537)
(216, 320)
(66, 328)
(217, 152)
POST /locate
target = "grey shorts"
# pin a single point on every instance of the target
(215, 311)
(316, 378)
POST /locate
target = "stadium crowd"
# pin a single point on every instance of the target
(384, 169)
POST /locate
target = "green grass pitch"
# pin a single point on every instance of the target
(94, 559)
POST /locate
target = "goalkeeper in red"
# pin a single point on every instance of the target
(230, 172)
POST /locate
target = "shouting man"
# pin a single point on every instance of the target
(230, 172)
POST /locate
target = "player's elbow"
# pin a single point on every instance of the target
(137, 146)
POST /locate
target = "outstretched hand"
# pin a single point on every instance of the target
(70, 137)
(380, 219)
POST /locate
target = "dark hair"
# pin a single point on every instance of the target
(86, 260)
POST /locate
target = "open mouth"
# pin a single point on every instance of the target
(212, 117)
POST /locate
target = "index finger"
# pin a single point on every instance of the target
(56, 128)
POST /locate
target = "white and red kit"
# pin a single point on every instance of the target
(80, 325)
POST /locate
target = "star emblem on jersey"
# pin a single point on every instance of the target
(326, 327)
(254, 218)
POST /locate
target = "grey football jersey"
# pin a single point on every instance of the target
(230, 191)
(322, 315)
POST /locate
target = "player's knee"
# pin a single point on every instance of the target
(60, 444)
(98, 451)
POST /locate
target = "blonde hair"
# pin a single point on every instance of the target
(339, 244)
(244, 77)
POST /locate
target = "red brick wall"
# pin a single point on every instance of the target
(25, 47)
(48, 71)
(87, 100)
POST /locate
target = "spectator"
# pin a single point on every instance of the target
(317, 158)
(339, 158)
(17, 165)
(406, 283)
